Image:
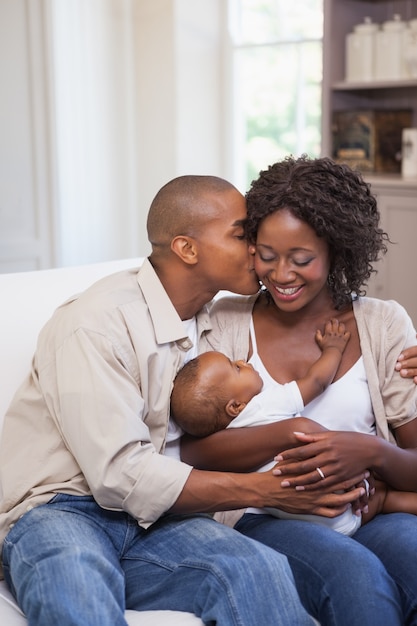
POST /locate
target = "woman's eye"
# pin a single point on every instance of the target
(302, 263)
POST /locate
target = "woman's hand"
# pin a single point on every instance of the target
(325, 501)
(327, 459)
(407, 363)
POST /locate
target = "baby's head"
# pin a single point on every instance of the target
(211, 390)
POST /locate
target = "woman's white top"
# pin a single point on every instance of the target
(350, 394)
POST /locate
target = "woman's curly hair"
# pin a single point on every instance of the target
(337, 203)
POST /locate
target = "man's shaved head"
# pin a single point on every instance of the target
(181, 207)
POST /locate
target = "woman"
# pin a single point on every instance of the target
(314, 230)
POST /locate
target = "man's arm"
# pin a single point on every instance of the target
(217, 491)
(407, 363)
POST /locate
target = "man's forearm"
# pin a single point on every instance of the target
(208, 492)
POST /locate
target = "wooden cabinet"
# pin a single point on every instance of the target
(397, 198)
(396, 278)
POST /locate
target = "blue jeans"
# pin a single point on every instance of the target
(340, 582)
(393, 538)
(71, 562)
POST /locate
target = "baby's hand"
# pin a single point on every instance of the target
(335, 336)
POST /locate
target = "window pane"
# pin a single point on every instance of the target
(263, 21)
(277, 84)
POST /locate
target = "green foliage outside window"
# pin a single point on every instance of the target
(278, 73)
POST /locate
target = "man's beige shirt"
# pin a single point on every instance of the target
(92, 416)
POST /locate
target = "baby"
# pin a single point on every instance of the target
(210, 390)
(211, 393)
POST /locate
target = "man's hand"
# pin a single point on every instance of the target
(407, 363)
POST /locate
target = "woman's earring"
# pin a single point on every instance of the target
(330, 279)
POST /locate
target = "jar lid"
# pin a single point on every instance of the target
(394, 25)
(366, 27)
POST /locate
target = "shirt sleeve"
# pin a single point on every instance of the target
(100, 413)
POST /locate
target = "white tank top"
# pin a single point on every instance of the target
(344, 405)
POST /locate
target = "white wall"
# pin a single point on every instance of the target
(179, 96)
(93, 118)
(107, 100)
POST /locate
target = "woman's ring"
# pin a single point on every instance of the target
(321, 474)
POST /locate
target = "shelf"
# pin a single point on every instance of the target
(396, 196)
(340, 17)
(392, 181)
(368, 86)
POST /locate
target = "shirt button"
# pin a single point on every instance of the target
(185, 344)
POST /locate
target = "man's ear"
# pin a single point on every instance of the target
(186, 248)
(234, 407)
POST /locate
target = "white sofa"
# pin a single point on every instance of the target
(27, 301)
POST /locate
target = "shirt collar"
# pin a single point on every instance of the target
(167, 323)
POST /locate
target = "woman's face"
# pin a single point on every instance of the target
(291, 260)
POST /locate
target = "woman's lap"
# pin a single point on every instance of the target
(340, 582)
(393, 538)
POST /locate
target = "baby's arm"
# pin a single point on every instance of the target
(321, 373)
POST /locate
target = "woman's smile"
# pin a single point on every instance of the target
(287, 294)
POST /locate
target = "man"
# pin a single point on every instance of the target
(95, 519)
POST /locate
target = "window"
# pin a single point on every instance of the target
(277, 72)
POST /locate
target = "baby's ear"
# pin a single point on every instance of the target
(234, 407)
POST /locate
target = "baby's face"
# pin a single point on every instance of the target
(238, 378)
